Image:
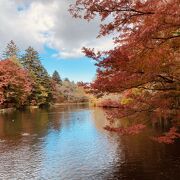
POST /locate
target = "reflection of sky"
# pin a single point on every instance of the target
(77, 148)
(57, 144)
(77, 69)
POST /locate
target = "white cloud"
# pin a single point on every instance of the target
(47, 22)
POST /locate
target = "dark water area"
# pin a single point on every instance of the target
(69, 143)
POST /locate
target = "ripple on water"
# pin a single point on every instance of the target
(71, 145)
(25, 134)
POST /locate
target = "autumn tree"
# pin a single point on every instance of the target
(42, 86)
(15, 85)
(56, 77)
(56, 83)
(11, 50)
(145, 62)
(72, 92)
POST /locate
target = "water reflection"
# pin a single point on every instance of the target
(69, 142)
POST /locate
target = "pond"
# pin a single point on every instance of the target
(69, 143)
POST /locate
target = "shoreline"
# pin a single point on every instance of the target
(69, 103)
(6, 110)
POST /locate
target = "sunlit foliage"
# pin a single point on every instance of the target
(15, 85)
(146, 56)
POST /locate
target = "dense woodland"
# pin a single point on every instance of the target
(144, 65)
(25, 82)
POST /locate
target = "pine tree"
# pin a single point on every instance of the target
(11, 50)
(66, 79)
(30, 61)
(56, 77)
(42, 87)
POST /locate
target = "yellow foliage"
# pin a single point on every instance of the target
(43, 91)
(125, 101)
(136, 91)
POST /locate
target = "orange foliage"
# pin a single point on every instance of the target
(132, 130)
(168, 137)
(15, 84)
(146, 54)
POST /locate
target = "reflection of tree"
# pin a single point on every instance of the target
(10, 127)
(23, 130)
(99, 118)
(113, 115)
(134, 122)
(64, 115)
(1, 127)
(34, 121)
(55, 118)
(142, 158)
(16, 123)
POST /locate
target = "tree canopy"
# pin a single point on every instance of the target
(145, 63)
(56, 77)
(15, 84)
(42, 89)
(11, 50)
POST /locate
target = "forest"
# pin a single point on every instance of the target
(25, 82)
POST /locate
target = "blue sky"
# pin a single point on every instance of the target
(76, 69)
(48, 27)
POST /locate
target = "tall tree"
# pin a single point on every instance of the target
(42, 87)
(11, 50)
(146, 56)
(32, 63)
(56, 77)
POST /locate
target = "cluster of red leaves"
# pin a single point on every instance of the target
(15, 83)
(108, 103)
(146, 54)
(169, 137)
(132, 130)
(160, 105)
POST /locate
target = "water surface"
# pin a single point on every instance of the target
(69, 143)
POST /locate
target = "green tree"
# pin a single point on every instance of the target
(66, 79)
(56, 77)
(11, 50)
(42, 91)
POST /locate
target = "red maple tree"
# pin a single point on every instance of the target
(146, 56)
(15, 84)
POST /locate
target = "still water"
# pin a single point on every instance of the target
(69, 143)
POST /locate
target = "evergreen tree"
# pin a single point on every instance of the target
(56, 77)
(31, 61)
(42, 88)
(66, 79)
(11, 50)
